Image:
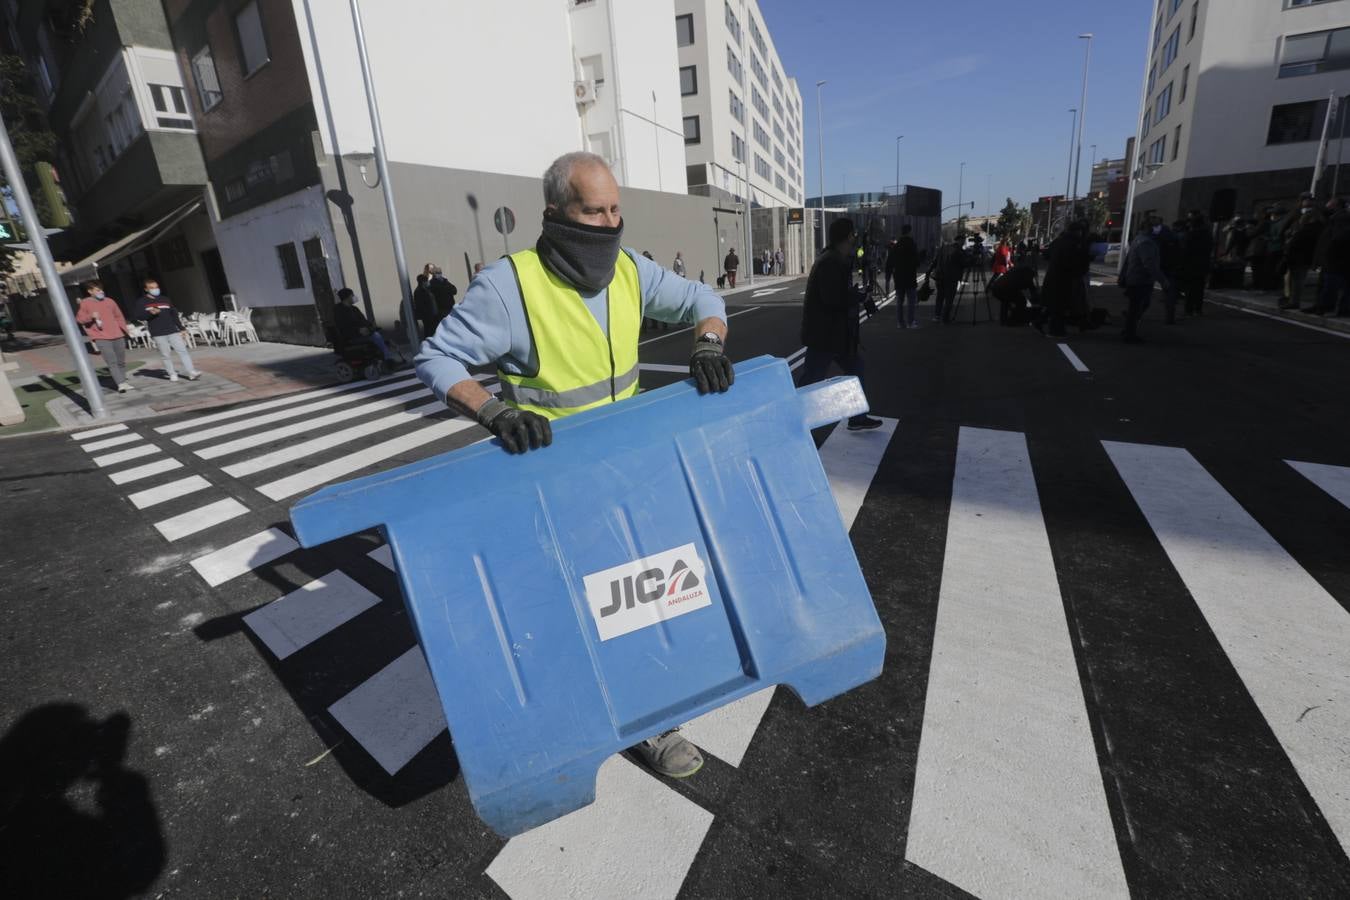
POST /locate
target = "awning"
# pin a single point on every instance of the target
(122, 247)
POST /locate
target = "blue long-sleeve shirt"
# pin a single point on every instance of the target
(489, 325)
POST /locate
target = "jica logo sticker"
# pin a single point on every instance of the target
(641, 593)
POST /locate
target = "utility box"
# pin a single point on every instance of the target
(667, 555)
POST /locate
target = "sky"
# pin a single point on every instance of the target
(984, 82)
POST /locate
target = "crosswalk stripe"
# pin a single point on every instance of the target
(394, 713)
(98, 432)
(157, 467)
(170, 491)
(244, 555)
(274, 404)
(301, 617)
(1006, 760)
(121, 456)
(197, 437)
(110, 442)
(318, 475)
(1073, 359)
(1335, 480)
(200, 519)
(251, 441)
(335, 439)
(1287, 637)
(637, 839)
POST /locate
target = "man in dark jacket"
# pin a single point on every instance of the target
(1064, 291)
(830, 315)
(1333, 257)
(1302, 230)
(424, 306)
(1197, 252)
(730, 265)
(1143, 269)
(157, 312)
(443, 291)
(949, 264)
(353, 327)
(903, 266)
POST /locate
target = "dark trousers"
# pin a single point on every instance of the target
(1139, 297)
(946, 299)
(1335, 296)
(818, 364)
(1193, 289)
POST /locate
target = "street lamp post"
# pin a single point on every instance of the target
(1073, 130)
(897, 163)
(1082, 116)
(820, 134)
(988, 196)
(960, 197)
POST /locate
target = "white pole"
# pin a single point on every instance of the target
(1320, 165)
(1073, 130)
(960, 197)
(382, 165)
(820, 133)
(1131, 165)
(1082, 119)
(47, 266)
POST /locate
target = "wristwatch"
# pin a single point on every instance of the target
(710, 337)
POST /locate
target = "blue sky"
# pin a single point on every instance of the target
(988, 83)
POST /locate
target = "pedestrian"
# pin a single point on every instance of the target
(1197, 252)
(830, 316)
(443, 291)
(947, 268)
(424, 306)
(778, 261)
(1333, 257)
(1002, 258)
(678, 266)
(1017, 296)
(1143, 269)
(1301, 233)
(354, 328)
(561, 322)
(104, 324)
(904, 268)
(166, 329)
(1170, 258)
(477, 267)
(1064, 292)
(729, 266)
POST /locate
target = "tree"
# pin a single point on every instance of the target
(31, 136)
(1097, 213)
(1014, 222)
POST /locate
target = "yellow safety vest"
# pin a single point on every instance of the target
(579, 367)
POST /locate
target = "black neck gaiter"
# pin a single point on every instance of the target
(585, 255)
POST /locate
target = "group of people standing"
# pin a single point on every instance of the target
(767, 263)
(433, 298)
(105, 325)
(1283, 249)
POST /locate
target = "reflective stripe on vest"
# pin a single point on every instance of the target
(579, 368)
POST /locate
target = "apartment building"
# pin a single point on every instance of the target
(1235, 103)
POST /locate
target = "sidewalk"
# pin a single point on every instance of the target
(231, 374)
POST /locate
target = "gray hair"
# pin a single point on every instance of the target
(558, 190)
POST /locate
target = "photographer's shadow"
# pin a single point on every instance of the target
(74, 822)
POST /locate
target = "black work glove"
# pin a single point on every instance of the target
(519, 430)
(710, 368)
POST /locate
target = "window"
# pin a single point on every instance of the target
(779, 183)
(757, 68)
(761, 136)
(1170, 51)
(1292, 123)
(235, 191)
(1157, 29)
(208, 83)
(252, 43)
(1294, 3)
(1176, 5)
(777, 105)
(688, 80)
(1164, 104)
(1195, 17)
(593, 69)
(737, 147)
(757, 101)
(684, 30)
(1176, 143)
(171, 103)
(1321, 51)
(762, 168)
(1185, 82)
(1148, 122)
(779, 158)
(1158, 151)
(733, 23)
(757, 37)
(290, 266)
(734, 66)
(174, 253)
(691, 132)
(737, 107)
(283, 167)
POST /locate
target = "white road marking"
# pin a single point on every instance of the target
(1335, 480)
(1072, 358)
(335, 439)
(637, 840)
(296, 620)
(292, 412)
(243, 556)
(311, 478)
(727, 731)
(668, 334)
(1287, 637)
(394, 713)
(110, 442)
(121, 456)
(1008, 795)
(1285, 319)
(764, 292)
(287, 400)
(201, 518)
(157, 467)
(170, 491)
(97, 432)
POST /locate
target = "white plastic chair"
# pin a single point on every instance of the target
(193, 327)
(137, 336)
(238, 328)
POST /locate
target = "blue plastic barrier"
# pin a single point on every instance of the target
(666, 556)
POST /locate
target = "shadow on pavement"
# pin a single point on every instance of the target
(74, 821)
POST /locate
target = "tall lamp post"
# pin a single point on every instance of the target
(820, 134)
(1073, 130)
(960, 197)
(897, 164)
(1082, 116)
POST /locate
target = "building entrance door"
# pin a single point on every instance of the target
(215, 277)
(320, 284)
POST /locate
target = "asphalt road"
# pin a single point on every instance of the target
(1118, 622)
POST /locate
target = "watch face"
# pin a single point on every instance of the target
(711, 337)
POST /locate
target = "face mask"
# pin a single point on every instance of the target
(1157, 229)
(153, 292)
(99, 295)
(584, 255)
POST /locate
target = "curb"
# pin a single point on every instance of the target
(1271, 311)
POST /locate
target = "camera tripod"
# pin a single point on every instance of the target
(975, 279)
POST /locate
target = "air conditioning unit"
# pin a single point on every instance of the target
(585, 92)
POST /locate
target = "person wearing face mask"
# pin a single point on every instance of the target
(1302, 232)
(1143, 269)
(561, 322)
(155, 310)
(104, 324)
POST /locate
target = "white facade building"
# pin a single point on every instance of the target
(1235, 102)
(742, 115)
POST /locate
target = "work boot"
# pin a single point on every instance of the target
(863, 423)
(670, 754)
